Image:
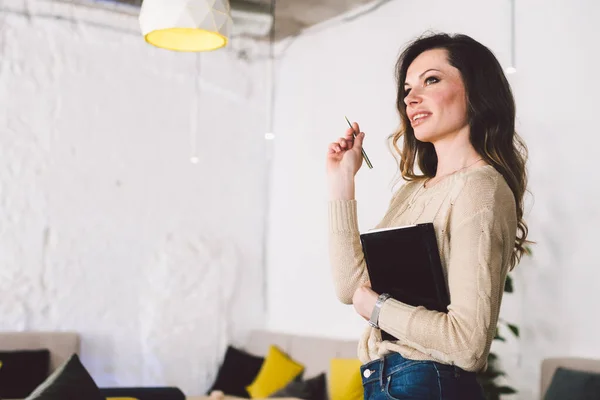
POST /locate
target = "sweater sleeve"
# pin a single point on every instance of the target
(482, 236)
(346, 257)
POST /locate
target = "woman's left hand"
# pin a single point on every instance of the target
(364, 300)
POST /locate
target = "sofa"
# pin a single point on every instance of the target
(315, 353)
(61, 344)
(551, 365)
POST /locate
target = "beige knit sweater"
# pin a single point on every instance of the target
(474, 216)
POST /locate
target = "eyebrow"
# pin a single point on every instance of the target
(420, 76)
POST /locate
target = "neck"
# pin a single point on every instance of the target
(455, 153)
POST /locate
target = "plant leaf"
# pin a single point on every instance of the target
(498, 337)
(514, 329)
(508, 286)
(492, 374)
(506, 390)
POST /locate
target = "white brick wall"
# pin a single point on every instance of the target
(106, 228)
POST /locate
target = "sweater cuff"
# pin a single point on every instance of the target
(394, 317)
(343, 216)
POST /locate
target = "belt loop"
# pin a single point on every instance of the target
(456, 372)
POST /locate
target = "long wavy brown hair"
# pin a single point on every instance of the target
(491, 116)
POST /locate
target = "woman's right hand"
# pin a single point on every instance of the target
(344, 157)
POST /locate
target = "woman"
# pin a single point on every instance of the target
(458, 115)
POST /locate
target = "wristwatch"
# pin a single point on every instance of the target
(374, 321)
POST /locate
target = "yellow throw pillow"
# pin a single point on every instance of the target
(121, 398)
(276, 372)
(345, 382)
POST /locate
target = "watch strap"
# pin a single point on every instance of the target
(374, 321)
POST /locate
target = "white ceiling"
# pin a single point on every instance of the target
(292, 16)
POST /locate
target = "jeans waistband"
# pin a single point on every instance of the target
(378, 370)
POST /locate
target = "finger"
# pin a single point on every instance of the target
(333, 147)
(349, 133)
(345, 143)
(359, 140)
(356, 127)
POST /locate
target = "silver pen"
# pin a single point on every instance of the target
(364, 154)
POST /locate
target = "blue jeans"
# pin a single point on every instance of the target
(397, 378)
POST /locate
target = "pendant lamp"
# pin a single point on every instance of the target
(186, 25)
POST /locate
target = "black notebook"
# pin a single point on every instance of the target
(405, 262)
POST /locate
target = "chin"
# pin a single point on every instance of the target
(425, 136)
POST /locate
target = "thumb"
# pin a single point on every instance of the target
(358, 141)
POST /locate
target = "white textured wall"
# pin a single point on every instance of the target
(348, 70)
(106, 228)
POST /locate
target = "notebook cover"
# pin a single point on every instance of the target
(405, 262)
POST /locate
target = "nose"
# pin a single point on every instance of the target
(413, 98)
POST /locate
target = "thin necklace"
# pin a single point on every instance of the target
(453, 172)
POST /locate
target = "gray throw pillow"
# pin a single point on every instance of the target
(71, 381)
(311, 389)
(573, 385)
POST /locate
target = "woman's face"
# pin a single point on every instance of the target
(436, 100)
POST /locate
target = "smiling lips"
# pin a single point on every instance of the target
(419, 117)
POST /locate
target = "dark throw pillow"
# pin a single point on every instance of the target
(22, 371)
(310, 389)
(144, 393)
(69, 382)
(573, 385)
(237, 371)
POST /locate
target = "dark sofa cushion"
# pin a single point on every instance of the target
(237, 371)
(573, 385)
(22, 371)
(71, 381)
(145, 393)
(310, 389)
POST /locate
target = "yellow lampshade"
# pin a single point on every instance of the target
(186, 25)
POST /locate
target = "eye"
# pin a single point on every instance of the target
(430, 80)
